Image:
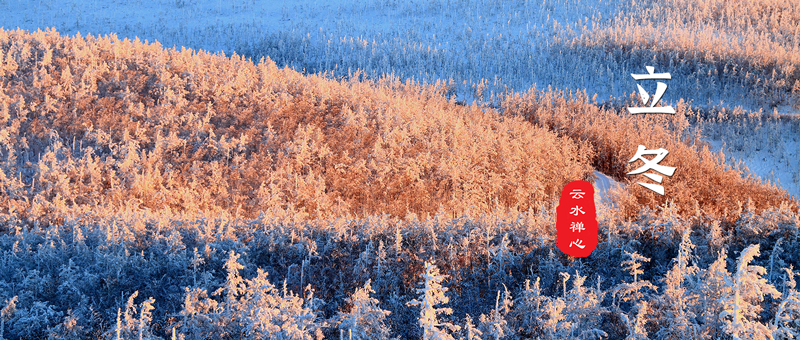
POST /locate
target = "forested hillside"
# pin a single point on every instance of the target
(155, 193)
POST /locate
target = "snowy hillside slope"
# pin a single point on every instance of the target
(480, 48)
(227, 199)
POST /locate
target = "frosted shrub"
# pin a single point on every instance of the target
(743, 305)
(677, 298)
(786, 324)
(365, 320)
(494, 326)
(634, 291)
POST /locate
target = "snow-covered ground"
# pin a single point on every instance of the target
(779, 166)
(511, 44)
(482, 46)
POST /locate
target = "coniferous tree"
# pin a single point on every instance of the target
(625, 292)
(469, 331)
(431, 295)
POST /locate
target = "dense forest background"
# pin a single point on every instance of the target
(156, 193)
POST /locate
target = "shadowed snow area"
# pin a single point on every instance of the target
(603, 185)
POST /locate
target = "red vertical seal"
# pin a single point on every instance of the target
(576, 223)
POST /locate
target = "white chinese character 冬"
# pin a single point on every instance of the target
(576, 210)
(576, 227)
(652, 165)
(578, 243)
(577, 194)
(660, 89)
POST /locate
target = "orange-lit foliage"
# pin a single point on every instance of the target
(98, 122)
(701, 176)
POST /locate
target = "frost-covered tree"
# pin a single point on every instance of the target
(786, 324)
(70, 328)
(555, 323)
(775, 259)
(362, 269)
(431, 295)
(198, 314)
(383, 275)
(716, 284)
(529, 311)
(145, 317)
(8, 310)
(636, 329)
(625, 292)
(634, 264)
(743, 306)
(131, 326)
(270, 313)
(469, 331)
(583, 310)
(495, 326)
(250, 309)
(365, 320)
(234, 284)
(230, 308)
(501, 259)
(677, 318)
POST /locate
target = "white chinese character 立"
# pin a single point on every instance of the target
(660, 89)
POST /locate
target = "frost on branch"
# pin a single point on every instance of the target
(743, 306)
(431, 295)
(365, 320)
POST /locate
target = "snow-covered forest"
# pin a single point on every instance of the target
(389, 169)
